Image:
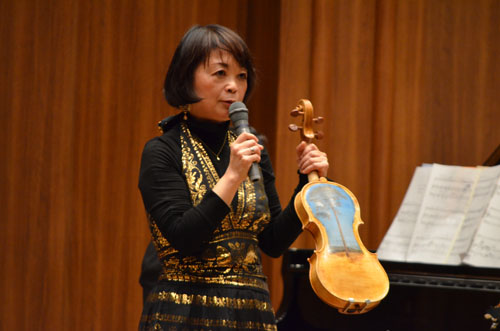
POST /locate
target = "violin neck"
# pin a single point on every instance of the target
(312, 176)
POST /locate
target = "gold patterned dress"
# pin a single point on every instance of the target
(212, 275)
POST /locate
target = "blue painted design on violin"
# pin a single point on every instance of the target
(327, 203)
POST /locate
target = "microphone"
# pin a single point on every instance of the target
(238, 113)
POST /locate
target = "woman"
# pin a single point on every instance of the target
(207, 219)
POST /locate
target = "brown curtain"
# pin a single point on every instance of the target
(399, 83)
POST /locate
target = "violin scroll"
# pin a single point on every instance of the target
(305, 109)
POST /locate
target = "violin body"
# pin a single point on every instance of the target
(343, 273)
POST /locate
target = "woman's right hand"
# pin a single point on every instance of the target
(245, 150)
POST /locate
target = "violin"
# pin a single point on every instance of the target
(343, 273)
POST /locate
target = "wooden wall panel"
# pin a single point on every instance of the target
(81, 92)
(400, 83)
(327, 57)
(444, 104)
(334, 69)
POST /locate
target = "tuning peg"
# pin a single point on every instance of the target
(294, 127)
(318, 135)
(318, 120)
(296, 112)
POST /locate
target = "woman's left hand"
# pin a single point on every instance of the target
(310, 158)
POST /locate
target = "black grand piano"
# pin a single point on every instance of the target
(421, 297)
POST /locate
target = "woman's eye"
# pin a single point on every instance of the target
(220, 73)
(243, 76)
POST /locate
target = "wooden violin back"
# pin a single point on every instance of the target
(343, 273)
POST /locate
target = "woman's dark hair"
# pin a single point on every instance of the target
(194, 48)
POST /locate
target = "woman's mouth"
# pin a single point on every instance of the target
(228, 103)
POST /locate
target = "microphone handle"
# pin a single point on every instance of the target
(254, 172)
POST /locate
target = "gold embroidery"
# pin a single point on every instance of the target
(236, 280)
(220, 257)
(232, 256)
(210, 301)
(235, 235)
(207, 322)
(207, 166)
(251, 255)
(162, 245)
(193, 173)
(156, 327)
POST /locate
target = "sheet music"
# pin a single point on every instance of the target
(446, 200)
(395, 244)
(485, 248)
(482, 193)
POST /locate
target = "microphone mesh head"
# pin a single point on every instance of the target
(238, 111)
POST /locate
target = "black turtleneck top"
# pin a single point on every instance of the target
(167, 199)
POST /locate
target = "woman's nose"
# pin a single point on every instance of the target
(231, 86)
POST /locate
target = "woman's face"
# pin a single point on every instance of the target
(219, 82)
